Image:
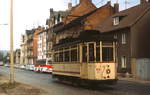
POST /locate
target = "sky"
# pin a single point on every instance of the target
(32, 13)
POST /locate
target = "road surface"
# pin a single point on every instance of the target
(54, 87)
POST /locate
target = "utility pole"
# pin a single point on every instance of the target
(11, 44)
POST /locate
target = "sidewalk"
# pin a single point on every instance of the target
(132, 79)
(19, 89)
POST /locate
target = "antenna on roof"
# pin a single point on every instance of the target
(126, 4)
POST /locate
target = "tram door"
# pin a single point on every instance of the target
(88, 57)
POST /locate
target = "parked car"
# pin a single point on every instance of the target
(27, 67)
(1, 63)
(6, 65)
(31, 67)
(43, 66)
(22, 67)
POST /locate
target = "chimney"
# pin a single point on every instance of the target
(69, 6)
(109, 2)
(85, 1)
(51, 11)
(116, 7)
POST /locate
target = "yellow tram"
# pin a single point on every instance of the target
(86, 61)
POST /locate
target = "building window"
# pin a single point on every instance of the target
(123, 62)
(116, 21)
(115, 36)
(123, 38)
(40, 37)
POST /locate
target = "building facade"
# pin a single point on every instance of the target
(17, 56)
(56, 17)
(35, 43)
(130, 28)
(83, 21)
(23, 49)
(29, 44)
(42, 45)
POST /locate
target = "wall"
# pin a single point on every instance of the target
(42, 46)
(140, 37)
(35, 43)
(123, 50)
(143, 65)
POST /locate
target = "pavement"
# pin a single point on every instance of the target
(18, 88)
(134, 80)
(125, 86)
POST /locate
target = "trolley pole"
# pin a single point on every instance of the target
(11, 44)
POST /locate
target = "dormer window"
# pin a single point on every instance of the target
(116, 21)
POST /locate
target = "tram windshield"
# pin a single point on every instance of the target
(107, 54)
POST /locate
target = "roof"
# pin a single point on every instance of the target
(85, 36)
(28, 32)
(129, 17)
(77, 21)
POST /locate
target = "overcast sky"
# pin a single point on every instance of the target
(31, 13)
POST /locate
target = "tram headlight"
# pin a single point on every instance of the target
(108, 71)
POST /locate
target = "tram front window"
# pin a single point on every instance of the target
(91, 52)
(107, 54)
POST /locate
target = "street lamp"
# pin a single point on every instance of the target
(11, 44)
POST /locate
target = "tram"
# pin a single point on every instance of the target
(85, 61)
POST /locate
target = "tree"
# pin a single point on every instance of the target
(1, 56)
(5, 60)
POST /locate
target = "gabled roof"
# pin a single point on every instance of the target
(77, 21)
(129, 17)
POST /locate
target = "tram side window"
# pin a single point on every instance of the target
(91, 52)
(107, 54)
(56, 56)
(84, 54)
(97, 52)
(61, 57)
(66, 53)
(74, 55)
